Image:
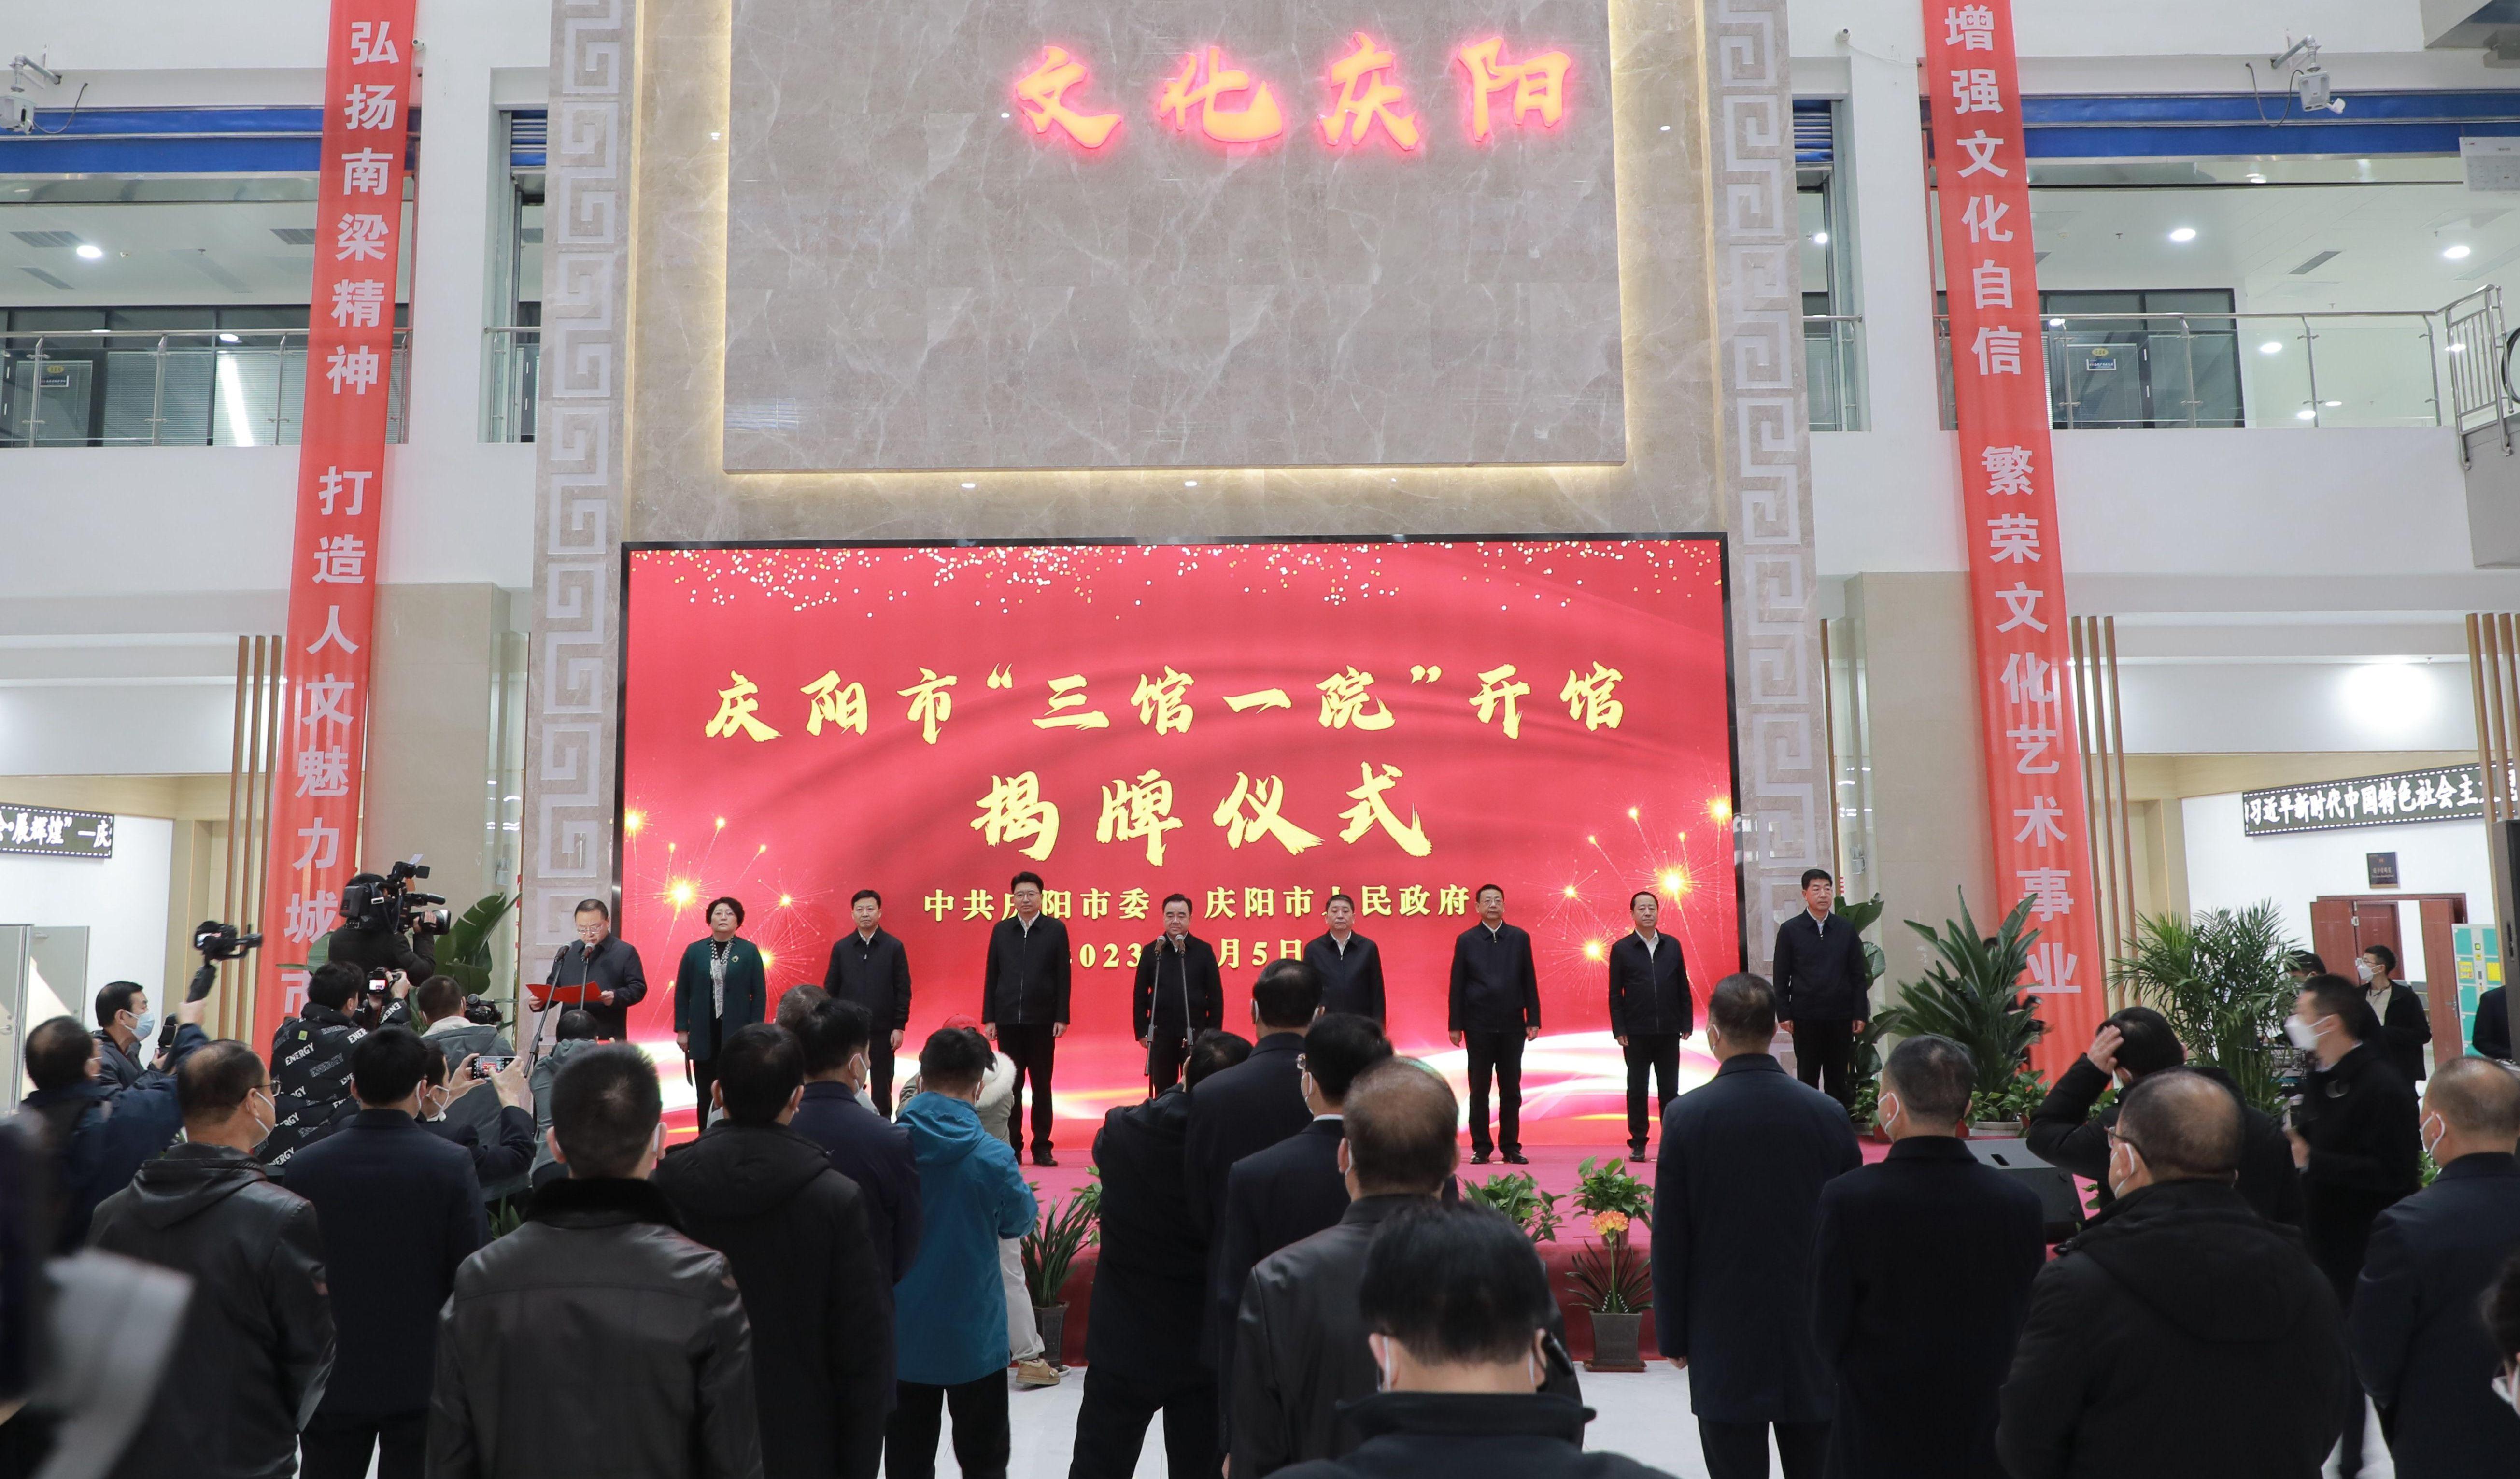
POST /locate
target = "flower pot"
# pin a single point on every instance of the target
(1995, 1130)
(1052, 1322)
(1614, 1343)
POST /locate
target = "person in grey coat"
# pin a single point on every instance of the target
(578, 1030)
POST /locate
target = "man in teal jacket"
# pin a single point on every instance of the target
(950, 1307)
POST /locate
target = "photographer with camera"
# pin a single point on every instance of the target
(502, 1146)
(466, 1027)
(386, 926)
(310, 1055)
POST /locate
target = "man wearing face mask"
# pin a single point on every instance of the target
(2179, 1333)
(2422, 1352)
(2405, 1029)
(124, 1027)
(837, 1038)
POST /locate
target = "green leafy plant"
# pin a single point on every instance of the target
(506, 1215)
(2222, 979)
(1066, 1228)
(1972, 993)
(1604, 1188)
(1517, 1196)
(1610, 1277)
(2014, 1099)
(463, 951)
(1864, 1060)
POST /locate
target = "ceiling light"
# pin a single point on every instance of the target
(2453, 252)
(2306, 413)
(1819, 238)
(2055, 323)
(2331, 405)
(2458, 348)
(1190, 483)
(2183, 234)
(228, 338)
(2270, 347)
(2257, 179)
(90, 252)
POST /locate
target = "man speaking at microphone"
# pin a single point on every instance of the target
(600, 971)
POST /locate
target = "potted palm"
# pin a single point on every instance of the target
(1049, 1253)
(2222, 979)
(1972, 995)
(1611, 1280)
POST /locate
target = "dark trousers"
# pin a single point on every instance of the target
(1824, 1056)
(704, 1077)
(879, 1071)
(1111, 1424)
(982, 1441)
(1502, 1054)
(1655, 1055)
(1165, 1054)
(1739, 1450)
(336, 1445)
(1031, 1048)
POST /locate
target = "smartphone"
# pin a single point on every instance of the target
(483, 1067)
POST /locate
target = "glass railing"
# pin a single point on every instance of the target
(510, 366)
(1834, 371)
(178, 387)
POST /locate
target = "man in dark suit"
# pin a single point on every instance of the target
(2418, 1345)
(1495, 1009)
(2131, 1044)
(400, 1210)
(1922, 1269)
(1023, 1006)
(1294, 1188)
(1179, 995)
(2405, 1026)
(1650, 1013)
(1250, 1107)
(870, 968)
(1824, 987)
(836, 1037)
(597, 972)
(1141, 1343)
(1349, 964)
(2492, 1036)
(1736, 1203)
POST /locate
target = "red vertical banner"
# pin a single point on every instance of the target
(341, 490)
(2008, 514)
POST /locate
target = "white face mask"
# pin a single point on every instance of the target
(2362, 969)
(2433, 1137)
(1886, 1110)
(2304, 1036)
(2117, 1180)
(143, 1025)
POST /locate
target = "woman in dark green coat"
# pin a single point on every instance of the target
(720, 986)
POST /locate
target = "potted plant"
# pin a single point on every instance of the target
(1864, 1058)
(1518, 1197)
(1049, 1254)
(1972, 995)
(1612, 1284)
(2222, 979)
(2003, 1108)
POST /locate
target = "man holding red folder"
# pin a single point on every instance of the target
(600, 972)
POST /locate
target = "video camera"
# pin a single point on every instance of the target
(388, 905)
(221, 942)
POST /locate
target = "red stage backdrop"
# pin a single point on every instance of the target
(1253, 726)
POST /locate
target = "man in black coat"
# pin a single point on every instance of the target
(1302, 1353)
(1294, 1188)
(256, 1345)
(1457, 1306)
(1179, 995)
(2131, 1043)
(870, 966)
(2405, 1026)
(124, 1025)
(1824, 987)
(794, 1231)
(1923, 1267)
(864, 1147)
(1650, 1013)
(2353, 1132)
(400, 1211)
(1023, 1006)
(310, 1058)
(1349, 965)
(2418, 1344)
(2492, 1036)
(1736, 1204)
(1248, 1107)
(1141, 1343)
(94, 1134)
(599, 973)
(2181, 1333)
(1495, 1009)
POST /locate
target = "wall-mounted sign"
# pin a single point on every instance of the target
(2380, 869)
(47, 833)
(2449, 793)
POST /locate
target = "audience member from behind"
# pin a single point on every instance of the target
(2181, 1335)
(2418, 1346)
(400, 1211)
(952, 1328)
(1300, 1351)
(1736, 1202)
(2502, 1321)
(1923, 1267)
(836, 1037)
(1458, 1306)
(94, 1134)
(796, 1231)
(597, 1338)
(124, 1024)
(1142, 1351)
(1249, 1106)
(2492, 1035)
(310, 1062)
(2064, 1131)
(577, 1032)
(257, 1338)
(502, 1157)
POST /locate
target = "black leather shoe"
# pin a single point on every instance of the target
(1517, 1158)
(1478, 1157)
(1635, 1150)
(1042, 1157)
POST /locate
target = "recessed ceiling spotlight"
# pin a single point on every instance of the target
(2270, 347)
(2055, 323)
(2331, 405)
(90, 252)
(2257, 179)
(2183, 234)
(230, 338)
(1819, 238)
(2306, 413)
(2454, 251)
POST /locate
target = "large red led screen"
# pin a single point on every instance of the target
(1254, 726)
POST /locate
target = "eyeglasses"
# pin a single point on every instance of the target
(2116, 1139)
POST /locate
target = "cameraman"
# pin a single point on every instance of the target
(310, 1058)
(376, 933)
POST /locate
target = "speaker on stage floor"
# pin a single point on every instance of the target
(2060, 1201)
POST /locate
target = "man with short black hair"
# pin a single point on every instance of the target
(439, 1003)
(629, 1337)
(1495, 1009)
(2422, 1352)
(400, 1210)
(2066, 1132)
(1824, 987)
(837, 1039)
(1257, 1103)
(256, 1345)
(795, 1230)
(1458, 1312)
(1023, 1004)
(598, 973)
(1921, 1267)
(94, 1134)
(870, 966)
(1349, 965)
(2353, 1128)
(576, 1033)
(124, 1024)
(1300, 1347)
(1736, 1206)
(2405, 1027)
(1650, 1011)
(2179, 1333)
(1179, 995)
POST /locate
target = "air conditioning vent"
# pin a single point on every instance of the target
(2315, 263)
(47, 238)
(295, 236)
(41, 276)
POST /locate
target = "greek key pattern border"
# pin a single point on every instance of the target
(579, 456)
(1785, 821)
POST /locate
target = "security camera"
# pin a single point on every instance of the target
(2310, 85)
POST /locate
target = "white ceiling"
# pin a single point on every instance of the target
(195, 252)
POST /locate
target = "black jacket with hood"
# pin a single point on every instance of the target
(2180, 1334)
(257, 1340)
(819, 1295)
(2064, 1133)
